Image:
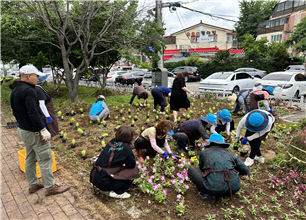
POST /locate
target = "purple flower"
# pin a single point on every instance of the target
(139, 166)
(187, 186)
(147, 157)
(178, 196)
(154, 170)
(162, 178)
(156, 186)
(150, 180)
(173, 181)
(181, 181)
(165, 192)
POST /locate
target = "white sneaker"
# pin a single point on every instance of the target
(119, 196)
(163, 113)
(249, 162)
(154, 110)
(260, 159)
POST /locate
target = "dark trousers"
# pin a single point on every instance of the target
(158, 99)
(195, 176)
(141, 143)
(255, 148)
(121, 186)
(221, 128)
(181, 140)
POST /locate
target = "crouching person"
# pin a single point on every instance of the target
(115, 169)
(99, 109)
(224, 123)
(190, 131)
(219, 171)
(258, 124)
(153, 139)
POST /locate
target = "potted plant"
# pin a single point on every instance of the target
(73, 144)
(83, 154)
(244, 150)
(81, 110)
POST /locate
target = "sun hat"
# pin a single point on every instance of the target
(101, 97)
(269, 89)
(232, 99)
(210, 119)
(41, 79)
(30, 69)
(224, 115)
(256, 121)
(216, 139)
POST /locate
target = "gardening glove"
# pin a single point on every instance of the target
(49, 119)
(244, 141)
(45, 135)
(165, 155)
(271, 111)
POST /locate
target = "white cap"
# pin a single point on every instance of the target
(30, 69)
(101, 97)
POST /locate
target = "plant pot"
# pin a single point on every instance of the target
(64, 140)
(243, 154)
(73, 145)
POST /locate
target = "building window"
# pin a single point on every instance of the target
(229, 38)
(288, 4)
(280, 7)
(276, 38)
(282, 21)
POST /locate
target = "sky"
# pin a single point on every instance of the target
(183, 18)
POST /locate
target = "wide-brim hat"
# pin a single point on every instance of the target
(101, 97)
(208, 119)
(216, 139)
(232, 99)
(269, 89)
(41, 79)
(225, 120)
(255, 117)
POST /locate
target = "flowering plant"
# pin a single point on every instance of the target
(244, 149)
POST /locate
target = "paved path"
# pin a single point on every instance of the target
(16, 202)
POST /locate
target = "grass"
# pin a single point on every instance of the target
(86, 94)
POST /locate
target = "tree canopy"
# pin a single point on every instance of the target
(75, 35)
(251, 14)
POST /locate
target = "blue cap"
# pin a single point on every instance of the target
(269, 89)
(42, 79)
(210, 119)
(217, 139)
(256, 121)
(224, 115)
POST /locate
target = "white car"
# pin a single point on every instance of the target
(286, 85)
(111, 76)
(227, 82)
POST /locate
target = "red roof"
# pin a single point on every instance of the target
(236, 51)
(168, 57)
(204, 50)
(171, 51)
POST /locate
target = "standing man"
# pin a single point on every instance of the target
(32, 131)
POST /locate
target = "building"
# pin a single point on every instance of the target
(281, 23)
(201, 39)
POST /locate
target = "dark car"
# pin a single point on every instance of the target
(131, 78)
(193, 72)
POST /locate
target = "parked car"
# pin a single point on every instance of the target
(193, 72)
(149, 74)
(228, 82)
(296, 68)
(286, 84)
(253, 72)
(111, 76)
(130, 78)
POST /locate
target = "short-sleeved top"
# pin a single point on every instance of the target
(150, 133)
(139, 90)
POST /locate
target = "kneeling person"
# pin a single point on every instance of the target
(99, 109)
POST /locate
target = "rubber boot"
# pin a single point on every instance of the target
(139, 155)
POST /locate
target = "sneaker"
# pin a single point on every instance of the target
(163, 113)
(154, 110)
(119, 196)
(260, 159)
(249, 162)
(56, 190)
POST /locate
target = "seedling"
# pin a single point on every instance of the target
(156, 117)
(77, 125)
(130, 116)
(59, 114)
(73, 144)
(188, 116)
(83, 154)
(116, 128)
(90, 122)
(142, 129)
(103, 143)
(72, 113)
(123, 119)
(81, 132)
(167, 117)
(104, 123)
(81, 110)
(135, 118)
(129, 111)
(61, 134)
(82, 115)
(147, 121)
(190, 112)
(133, 123)
(72, 121)
(149, 105)
(64, 137)
(121, 111)
(179, 119)
(62, 118)
(103, 136)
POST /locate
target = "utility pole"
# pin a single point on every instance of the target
(159, 18)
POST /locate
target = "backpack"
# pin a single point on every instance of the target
(96, 108)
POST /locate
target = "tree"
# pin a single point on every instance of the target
(298, 39)
(81, 31)
(253, 48)
(252, 13)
